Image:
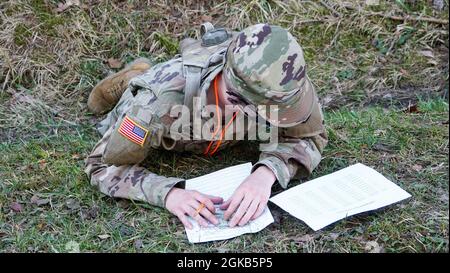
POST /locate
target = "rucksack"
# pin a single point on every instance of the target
(198, 54)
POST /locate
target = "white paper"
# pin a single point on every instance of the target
(335, 196)
(223, 183)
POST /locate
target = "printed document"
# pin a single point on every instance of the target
(318, 203)
(335, 196)
(223, 183)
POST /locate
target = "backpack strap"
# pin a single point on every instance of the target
(196, 56)
(193, 75)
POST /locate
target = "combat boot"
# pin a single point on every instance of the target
(108, 92)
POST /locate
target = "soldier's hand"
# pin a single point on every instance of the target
(186, 202)
(250, 198)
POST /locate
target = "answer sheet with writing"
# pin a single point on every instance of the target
(335, 196)
(223, 183)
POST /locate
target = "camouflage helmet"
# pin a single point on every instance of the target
(265, 66)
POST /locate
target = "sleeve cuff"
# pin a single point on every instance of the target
(156, 191)
(278, 167)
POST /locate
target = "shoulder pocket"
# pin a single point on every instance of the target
(133, 136)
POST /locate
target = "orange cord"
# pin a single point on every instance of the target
(216, 88)
(217, 111)
(223, 133)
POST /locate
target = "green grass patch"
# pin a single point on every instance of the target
(48, 19)
(21, 34)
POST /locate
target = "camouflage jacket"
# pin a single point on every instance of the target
(113, 165)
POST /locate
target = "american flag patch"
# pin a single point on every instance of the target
(133, 131)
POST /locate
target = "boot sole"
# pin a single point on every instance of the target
(138, 64)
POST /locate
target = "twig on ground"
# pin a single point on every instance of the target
(399, 18)
(308, 21)
(410, 18)
(6, 80)
(335, 13)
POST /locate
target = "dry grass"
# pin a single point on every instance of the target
(58, 56)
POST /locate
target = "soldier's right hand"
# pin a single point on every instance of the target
(186, 202)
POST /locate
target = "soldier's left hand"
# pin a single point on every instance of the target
(250, 198)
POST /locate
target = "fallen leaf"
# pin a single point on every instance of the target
(138, 244)
(417, 167)
(123, 203)
(69, 3)
(206, 18)
(433, 62)
(326, 101)
(342, 135)
(177, 13)
(430, 55)
(372, 2)
(379, 132)
(16, 207)
(72, 204)
(38, 201)
(104, 236)
(72, 247)
(41, 226)
(222, 249)
(382, 147)
(32, 249)
(412, 108)
(403, 71)
(444, 198)
(42, 163)
(334, 236)
(21, 97)
(126, 230)
(90, 213)
(114, 63)
(373, 247)
(118, 216)
(427, 53)
(438, 4)
(76, 156)
(304, 238)
(25, 168)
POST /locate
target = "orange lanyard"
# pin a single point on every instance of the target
(219, 142)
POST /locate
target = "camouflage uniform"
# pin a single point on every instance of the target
(113, 164)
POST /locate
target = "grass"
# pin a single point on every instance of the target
(51, 168)
(367, 68)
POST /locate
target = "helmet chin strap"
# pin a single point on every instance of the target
(222, 133)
